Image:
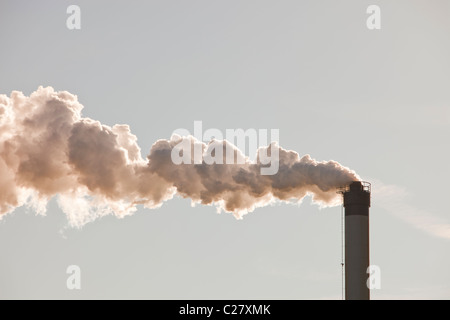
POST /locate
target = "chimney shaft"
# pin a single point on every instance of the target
(357, 203)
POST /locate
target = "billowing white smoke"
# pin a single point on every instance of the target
(48, 149)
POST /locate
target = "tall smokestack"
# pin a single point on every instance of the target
(357, 203)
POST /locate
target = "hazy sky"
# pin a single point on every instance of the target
(376, 101)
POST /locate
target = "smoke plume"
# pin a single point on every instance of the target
(47, 149)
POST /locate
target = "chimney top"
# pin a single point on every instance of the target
(356, 186)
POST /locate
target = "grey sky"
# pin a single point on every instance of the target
(376, 101)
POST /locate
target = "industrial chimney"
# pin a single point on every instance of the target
(357, 203)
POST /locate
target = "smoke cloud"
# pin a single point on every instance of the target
(47, 149)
